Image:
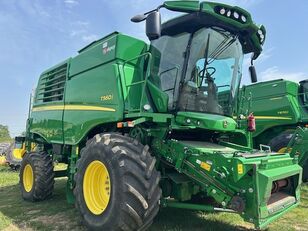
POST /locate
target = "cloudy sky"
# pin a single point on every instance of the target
(36, 34)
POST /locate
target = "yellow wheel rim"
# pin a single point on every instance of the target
(96, 187)
(28, 178)
(284, 150)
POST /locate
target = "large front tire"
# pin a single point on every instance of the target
(36, 176)
(126, 194)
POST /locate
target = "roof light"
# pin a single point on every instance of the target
(231, 13)
(222, 11)
(243, 18)
(260, 32)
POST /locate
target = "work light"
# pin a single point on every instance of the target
(236, 15)
(222, 11)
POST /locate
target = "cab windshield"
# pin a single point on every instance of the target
(199, 71)
(303, 93)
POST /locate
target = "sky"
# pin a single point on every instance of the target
(37, 34)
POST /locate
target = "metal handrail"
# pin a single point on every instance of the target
(138, 82)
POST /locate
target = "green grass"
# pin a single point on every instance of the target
(56, 214)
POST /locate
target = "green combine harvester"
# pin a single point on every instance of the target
(143, 126)
(280, 108)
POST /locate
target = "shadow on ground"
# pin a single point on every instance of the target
(57, 214)
(182, 220)
(52, 214)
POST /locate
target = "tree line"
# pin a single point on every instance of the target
(4, 133)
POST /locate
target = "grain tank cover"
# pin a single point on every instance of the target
(275, 88)
(114, 46)
(96, 42)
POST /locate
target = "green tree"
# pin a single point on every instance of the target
(4, 133)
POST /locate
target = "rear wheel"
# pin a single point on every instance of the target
(280, 143)
(36, 176)
(117, 185)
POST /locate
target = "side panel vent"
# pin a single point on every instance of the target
(52, 85)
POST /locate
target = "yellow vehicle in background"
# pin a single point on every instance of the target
(2, 160)
(4, 147)
(16, 152)
(19, 148)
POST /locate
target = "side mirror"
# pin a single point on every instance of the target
(153, 25)
(138, 18)
(253, 74)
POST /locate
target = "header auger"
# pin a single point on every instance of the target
(142, 126)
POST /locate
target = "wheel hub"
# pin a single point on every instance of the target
(28, 178)
(96, 187)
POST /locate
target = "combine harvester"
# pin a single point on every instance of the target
(142, 126)
(280, 108)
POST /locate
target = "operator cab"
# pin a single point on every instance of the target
(303, 93)
(204, 72)
(198, 63)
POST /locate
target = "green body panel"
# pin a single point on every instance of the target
(76, 123)
(110, 87)
(298, 146)
(276, 107)
(93, 90)
(206, 121)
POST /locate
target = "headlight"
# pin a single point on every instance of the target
(236, 15)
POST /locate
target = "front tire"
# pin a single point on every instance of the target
(36, 176)
(126, 194)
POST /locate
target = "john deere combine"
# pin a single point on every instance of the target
(142, 126)
(280, 108)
